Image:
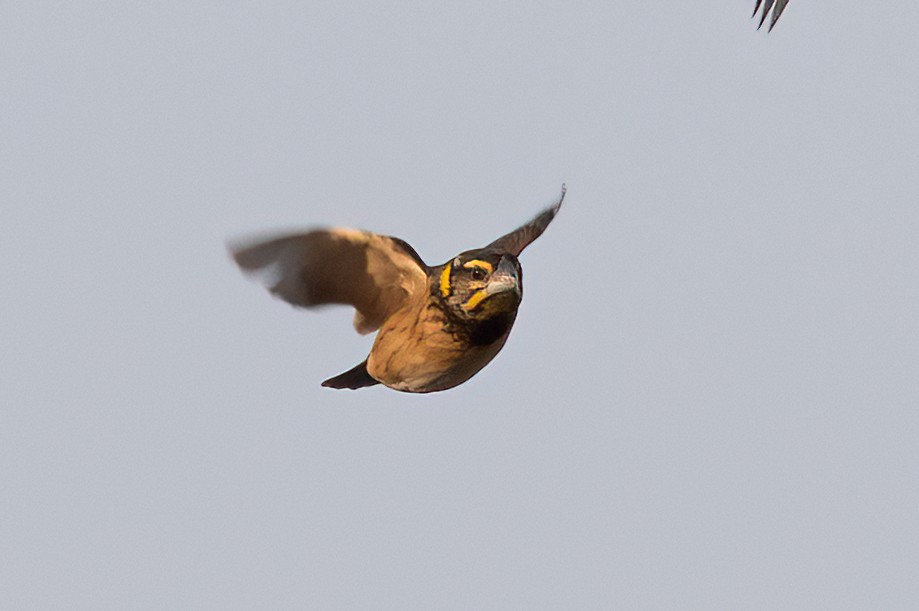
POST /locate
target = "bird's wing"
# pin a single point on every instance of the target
(376, 274)
(515, 241)
(777, 7)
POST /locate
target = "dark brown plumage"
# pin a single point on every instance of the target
(438, 326)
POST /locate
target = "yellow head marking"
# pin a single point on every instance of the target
(481, 264)
(445, 281)
(475, 300)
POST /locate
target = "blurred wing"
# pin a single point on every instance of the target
(375, 274)
(777, 7)
(520, 238)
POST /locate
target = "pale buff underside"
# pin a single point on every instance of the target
(413, 353)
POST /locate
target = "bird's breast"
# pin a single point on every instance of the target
(420, 349)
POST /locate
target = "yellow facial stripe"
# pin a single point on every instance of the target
(445, 281)
(475, 300)
(479, 263)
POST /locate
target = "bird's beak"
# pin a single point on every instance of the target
(505, 278)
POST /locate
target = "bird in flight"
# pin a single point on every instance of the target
(437, 326)
(777, 7)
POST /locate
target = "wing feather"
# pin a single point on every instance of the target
(515, 241)
(777, 7)
(376, 274)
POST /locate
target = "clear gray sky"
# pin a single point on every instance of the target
(711, 396)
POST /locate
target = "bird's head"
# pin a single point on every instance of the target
(481, 284)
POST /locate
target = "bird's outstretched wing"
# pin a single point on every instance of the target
(515, 241)
(777, 7)
(376, 274)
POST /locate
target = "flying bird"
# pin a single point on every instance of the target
(777, 7)
(437, 326)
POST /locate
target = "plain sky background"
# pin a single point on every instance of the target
(710, 399)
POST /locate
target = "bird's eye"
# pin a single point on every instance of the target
(478, 273)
